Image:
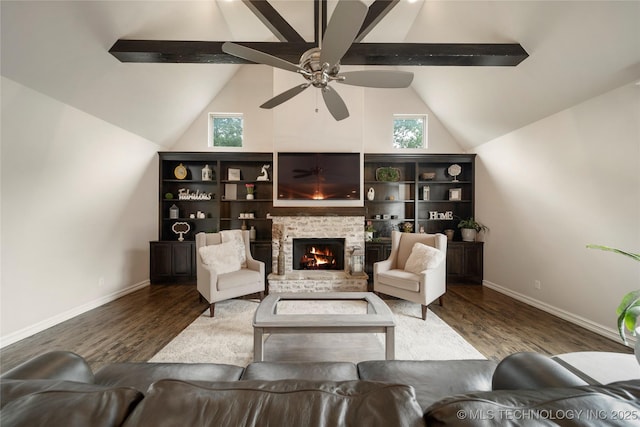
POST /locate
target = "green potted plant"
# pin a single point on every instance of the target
(628, 311)
(368, 231)
(470, 228)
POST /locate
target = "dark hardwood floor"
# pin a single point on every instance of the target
(138, 325)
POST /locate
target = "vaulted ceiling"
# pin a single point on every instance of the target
(576, 49)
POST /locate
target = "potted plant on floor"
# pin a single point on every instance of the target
(628, 311)
(470, 228)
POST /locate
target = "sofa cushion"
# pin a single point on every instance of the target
(423, 257)
(54, 365)
(431, 379)
(617, 404)
(142, 375)
(220, 258)
(64, 403)
(277, 403)
(329, 371)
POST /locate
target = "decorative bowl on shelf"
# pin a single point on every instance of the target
(427, 175)
(388, 174)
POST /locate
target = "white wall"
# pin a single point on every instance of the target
(79, 203)
(296, 126)
(551, 188)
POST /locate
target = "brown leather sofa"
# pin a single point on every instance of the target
(59, 388)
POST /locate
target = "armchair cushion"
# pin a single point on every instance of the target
(221, 258)
(423, 257)
(400, 279)
(242, 277)
(234, 237)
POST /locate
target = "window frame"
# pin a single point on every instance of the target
(425, 127)
(211, 142)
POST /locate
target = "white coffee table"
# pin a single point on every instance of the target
(377, 319)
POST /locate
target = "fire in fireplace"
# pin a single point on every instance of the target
(318, 254)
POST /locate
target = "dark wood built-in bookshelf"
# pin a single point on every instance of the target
(397, 201)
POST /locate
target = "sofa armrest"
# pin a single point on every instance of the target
(54, 365)
(532, 371)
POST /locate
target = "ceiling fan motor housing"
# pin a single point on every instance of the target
(318, 74)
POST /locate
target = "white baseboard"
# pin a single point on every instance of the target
(606, 332)
(59, 318)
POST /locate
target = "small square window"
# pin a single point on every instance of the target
(409, 131)
(225, 130)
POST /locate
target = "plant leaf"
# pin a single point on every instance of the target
(621, 328)
(631, 318)
(618, 251)
(628, 300)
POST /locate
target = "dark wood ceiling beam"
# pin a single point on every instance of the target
(411, 54)
(377, 11)
(273, 20)
(319, 6)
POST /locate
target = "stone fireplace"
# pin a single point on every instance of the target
(346, 231)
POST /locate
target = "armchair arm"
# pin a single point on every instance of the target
(255, 265)
(381, 266)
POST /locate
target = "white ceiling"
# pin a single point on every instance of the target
(578, 49)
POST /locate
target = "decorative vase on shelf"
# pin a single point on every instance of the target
(281, 259)
(249, 196)
(252, 233)
(207, 173)
(174, 212)
(371, 194)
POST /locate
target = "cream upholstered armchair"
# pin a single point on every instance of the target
(225, 267)
(414, 273)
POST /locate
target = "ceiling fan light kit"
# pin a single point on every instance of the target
(321, 65)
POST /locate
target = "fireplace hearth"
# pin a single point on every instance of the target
(318, 254)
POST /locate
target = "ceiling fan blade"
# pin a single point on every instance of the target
(284, 96)
(335, 104)
(257, 56)
(377, 78)
(342, 29)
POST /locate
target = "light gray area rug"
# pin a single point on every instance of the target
(228, 337)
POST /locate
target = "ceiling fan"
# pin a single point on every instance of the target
(321, 65)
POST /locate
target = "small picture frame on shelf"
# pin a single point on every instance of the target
(234, 174)
(455, 194)
(231, 191)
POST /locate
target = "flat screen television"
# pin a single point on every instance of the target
(318, 179)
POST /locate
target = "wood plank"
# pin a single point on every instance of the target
(138, 325)
(377, 11)
(273, 20)
(408, 54)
